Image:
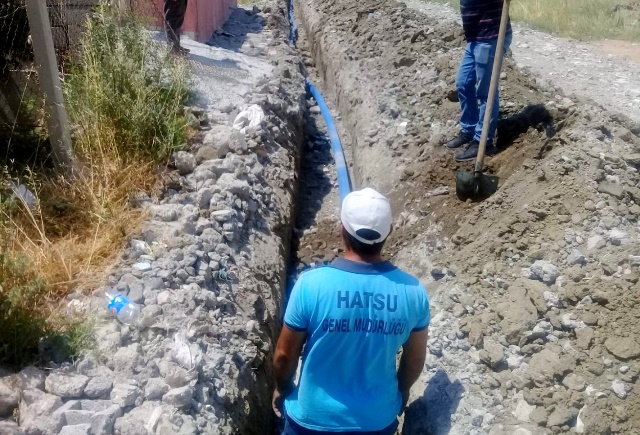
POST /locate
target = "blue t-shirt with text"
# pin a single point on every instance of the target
(357, 316)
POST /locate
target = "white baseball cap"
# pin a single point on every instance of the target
(366, 215)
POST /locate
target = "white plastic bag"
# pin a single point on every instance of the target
(249, 116)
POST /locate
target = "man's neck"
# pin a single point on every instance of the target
(371, 259)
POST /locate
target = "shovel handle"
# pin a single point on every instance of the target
(495, 79)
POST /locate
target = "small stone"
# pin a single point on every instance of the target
(142, 267)
(576, 257)
(574, 382)
(619, 388)
(65, 385)
(595, 242)
(185, 162)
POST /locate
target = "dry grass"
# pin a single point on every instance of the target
(581, 19)
(125, 100)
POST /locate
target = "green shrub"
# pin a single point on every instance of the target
(127, 90)
(23, 321)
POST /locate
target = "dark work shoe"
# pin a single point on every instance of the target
(458, 141)
(471, 151)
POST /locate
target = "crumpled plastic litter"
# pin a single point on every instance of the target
(249, 116)
(183, 353)
(21, 192)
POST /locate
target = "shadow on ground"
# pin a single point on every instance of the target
(431, 413)
(235, 30)
(532, 116)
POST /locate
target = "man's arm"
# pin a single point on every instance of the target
(414, 352)
(285, 364)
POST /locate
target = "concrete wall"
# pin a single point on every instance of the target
(202, 18)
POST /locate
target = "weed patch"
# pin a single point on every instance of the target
(125, 94)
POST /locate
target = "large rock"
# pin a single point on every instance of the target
(76, 429)
(561, 415)
(547, 365)
(155, 389)
(225, 139)
(179, 397)
(574, 382)
(623, 348)
(98, 387)
(37, 414)
(67, 386)
(103, 421)
(174, 375)
(185, 162)
(517, 314)
(206, 152)
(231, 183)
(125, 395)
(10, 428)
(32, 378)
(545, 271)
(611, 189)
(9, 395)
(492, 355)
(128, 359)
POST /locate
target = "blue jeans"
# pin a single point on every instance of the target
(293, 428)
(474, 78)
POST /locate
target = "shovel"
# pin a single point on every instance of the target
(474, 184)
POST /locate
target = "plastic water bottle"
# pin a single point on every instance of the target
(125, 311)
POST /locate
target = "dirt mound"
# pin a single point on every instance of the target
(534, 290)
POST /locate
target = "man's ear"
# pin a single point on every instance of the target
(390, 231)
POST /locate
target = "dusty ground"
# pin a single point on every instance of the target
(533, 290)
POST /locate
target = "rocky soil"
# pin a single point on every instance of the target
(535, 321)
(209, 269)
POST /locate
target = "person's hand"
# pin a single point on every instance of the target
(405, 400)
(278, 400)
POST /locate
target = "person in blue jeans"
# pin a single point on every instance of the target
(352, 317)
(481, 23)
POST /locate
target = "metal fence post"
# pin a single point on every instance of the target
(48, 75)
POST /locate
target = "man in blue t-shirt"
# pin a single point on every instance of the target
(481, 24)
(354, 316)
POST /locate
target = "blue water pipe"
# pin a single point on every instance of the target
(344, 181)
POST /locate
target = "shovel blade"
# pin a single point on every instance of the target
(475, 186)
